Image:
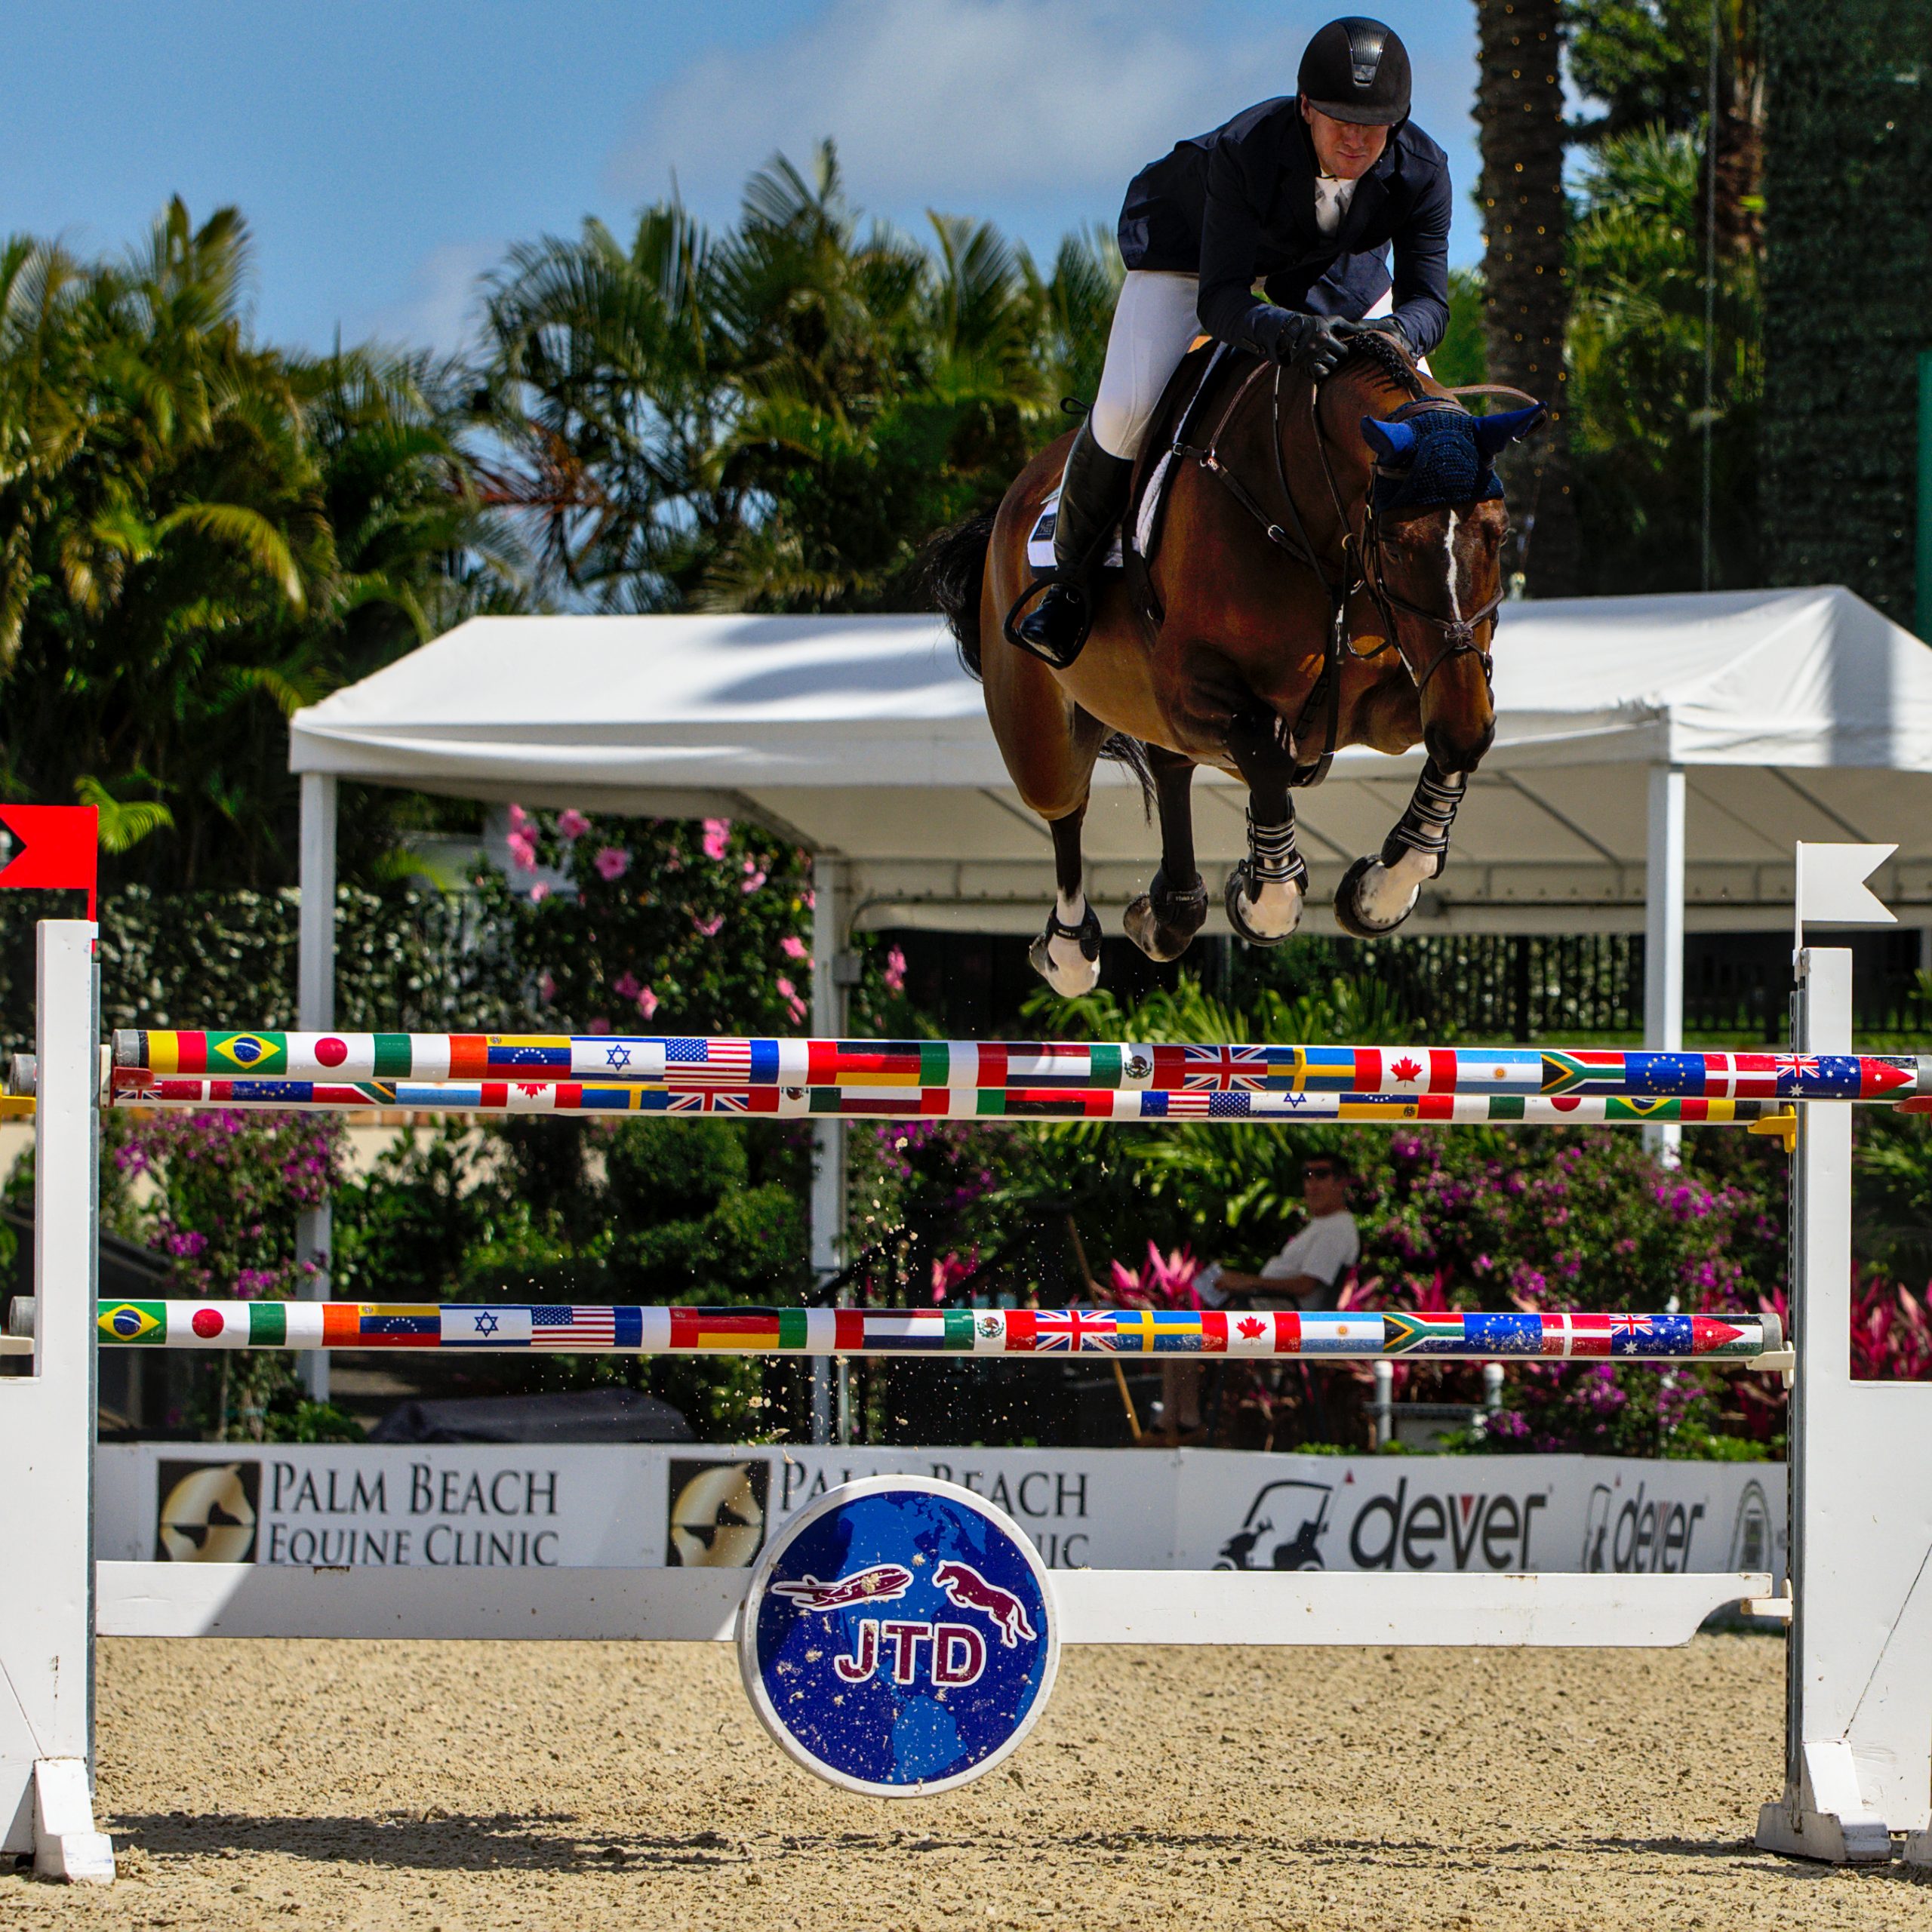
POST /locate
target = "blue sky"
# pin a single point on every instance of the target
(385, 154)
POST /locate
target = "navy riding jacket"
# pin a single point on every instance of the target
(1237, 206)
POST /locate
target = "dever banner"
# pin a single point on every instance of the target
(718, 1506)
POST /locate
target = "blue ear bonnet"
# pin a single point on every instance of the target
(1441, 455)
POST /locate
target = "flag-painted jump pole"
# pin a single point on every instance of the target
(597, 1329)
(733, 1063)
(132, 1089)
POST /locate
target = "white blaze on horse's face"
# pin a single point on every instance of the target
(1449, 547)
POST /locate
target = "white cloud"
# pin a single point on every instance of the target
(444, 304)
(957, 104)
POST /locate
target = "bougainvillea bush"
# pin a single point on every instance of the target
(217, 1193)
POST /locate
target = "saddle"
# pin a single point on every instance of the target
(1182, 401)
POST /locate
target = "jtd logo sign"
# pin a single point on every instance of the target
(957, 1655)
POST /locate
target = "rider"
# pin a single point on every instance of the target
(1304, 194)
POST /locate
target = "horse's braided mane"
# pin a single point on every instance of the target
(1389, 357)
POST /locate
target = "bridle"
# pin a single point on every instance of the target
(1362, 564)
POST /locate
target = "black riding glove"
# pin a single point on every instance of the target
(1310, 344)
(1380, 325)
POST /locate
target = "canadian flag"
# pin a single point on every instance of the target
(61, 848)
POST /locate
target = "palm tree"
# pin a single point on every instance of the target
(1519, 110)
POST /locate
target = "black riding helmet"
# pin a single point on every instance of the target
(1357, 69)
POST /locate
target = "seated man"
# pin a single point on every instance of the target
(1307, 1273)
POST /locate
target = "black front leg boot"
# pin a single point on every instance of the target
(1093, 497)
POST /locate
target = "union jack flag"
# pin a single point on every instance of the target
(728, 1062)
(1224, 1070)
(568, 1327)
(709, 1102)
(1073, 1330)
(1798, 1066)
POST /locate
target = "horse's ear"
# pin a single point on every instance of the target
(1506, 426)
(1392, 442)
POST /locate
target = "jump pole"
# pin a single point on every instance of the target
(1860, 1732)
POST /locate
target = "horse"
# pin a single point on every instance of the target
(1328, 572)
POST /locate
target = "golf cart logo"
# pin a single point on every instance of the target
(1753, 1541)
(1282, 1529)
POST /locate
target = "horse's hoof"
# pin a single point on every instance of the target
(1163, 923)
(1236, 899)
(1348, 915)
(1068, 957)
(1069, 979)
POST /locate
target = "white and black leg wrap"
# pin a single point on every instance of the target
(1424, 828)
(1265, 891)
(1376, 895)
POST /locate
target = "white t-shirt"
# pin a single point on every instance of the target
(1327, 1246)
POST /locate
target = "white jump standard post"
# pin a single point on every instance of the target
(1858, 1725)
(47, 1432)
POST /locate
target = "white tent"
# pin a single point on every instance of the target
(1656, 759)
(1725, 728)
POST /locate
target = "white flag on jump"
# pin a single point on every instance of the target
(1832, 890)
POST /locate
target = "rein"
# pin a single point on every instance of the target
(1361, 557)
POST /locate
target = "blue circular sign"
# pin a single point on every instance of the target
(899, 1636)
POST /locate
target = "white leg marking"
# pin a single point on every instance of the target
(1277, 911)
(1069, 972)
(1386, 894)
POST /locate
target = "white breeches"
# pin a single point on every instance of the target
(1154, 323)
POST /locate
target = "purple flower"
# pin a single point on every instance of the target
(612, 863)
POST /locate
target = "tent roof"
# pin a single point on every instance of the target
(1799, 714)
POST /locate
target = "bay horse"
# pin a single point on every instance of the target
(1328, 572)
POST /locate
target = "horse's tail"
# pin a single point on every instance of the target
(952, 568)
(1132, 753)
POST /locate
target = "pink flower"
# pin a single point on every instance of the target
(627, 988)
(547, 988)
(612, 863)
(520, 821)
(572, 825)
(811, 899)
(523, 851)
(793, 949)
(538, 893)
(717, 835)
(789, 994)
(895, 972)
(709, 927)
(648, 1001)
(753, 876)
(600, 1026)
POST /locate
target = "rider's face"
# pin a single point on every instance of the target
(1345, 149)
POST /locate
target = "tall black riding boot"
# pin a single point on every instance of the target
(1093, 495)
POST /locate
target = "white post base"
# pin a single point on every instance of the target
(66, 1845)
(1826, 1818)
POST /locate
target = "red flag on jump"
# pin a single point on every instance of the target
(62, 847)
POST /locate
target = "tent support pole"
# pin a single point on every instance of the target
(315, 1013)
(1663, 935)
(828, 1201)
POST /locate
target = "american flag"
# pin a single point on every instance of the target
(1073, 1330)
(728, 1062)
(1224, 1070)
(573, 1328)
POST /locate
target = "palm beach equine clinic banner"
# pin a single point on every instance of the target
(715, 1506)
